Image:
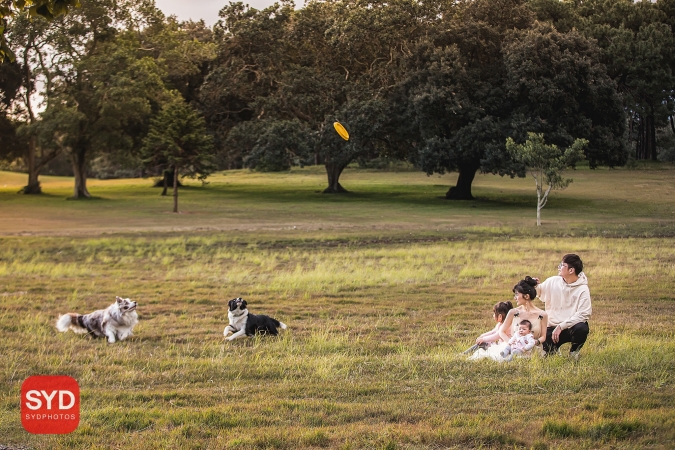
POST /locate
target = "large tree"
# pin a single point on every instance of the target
(106, 81)
(559, 87)
(32, 39)
(455, 93)
(490, 71)
(637, 41)
(328, 61)
(184, 50)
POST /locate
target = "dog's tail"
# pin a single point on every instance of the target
(281, 325)
(70, 321)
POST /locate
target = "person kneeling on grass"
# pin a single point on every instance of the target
(500, 310)
(521, 343)
(568, 304)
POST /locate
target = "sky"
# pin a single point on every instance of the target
(203, 9)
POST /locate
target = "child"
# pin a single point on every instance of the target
(521, 343)
(500, 310)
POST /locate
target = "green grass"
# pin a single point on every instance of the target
(381, 289)
(290, 204)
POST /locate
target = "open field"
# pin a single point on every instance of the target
(381, 289)
(380, 202)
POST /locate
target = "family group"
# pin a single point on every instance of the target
(525, 328)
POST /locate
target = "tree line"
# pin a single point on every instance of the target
(441, 84)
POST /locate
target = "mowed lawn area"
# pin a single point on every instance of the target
(379, 202)
(382, 289)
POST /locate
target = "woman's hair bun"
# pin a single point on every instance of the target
(531, 281)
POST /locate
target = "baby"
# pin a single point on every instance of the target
(521, 343)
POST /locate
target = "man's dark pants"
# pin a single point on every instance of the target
(576, 334)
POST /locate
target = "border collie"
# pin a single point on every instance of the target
(244, 323)
(116, 322)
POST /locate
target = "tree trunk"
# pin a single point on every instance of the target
(462, 191)
(80, 171)
(645, 148)
(166, 181)
(640, 140)
(334, 170)
(542, 198)
(33, 186)
(538, 205)
(651, 123)
(175, 189)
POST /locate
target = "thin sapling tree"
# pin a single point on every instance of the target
(177, 141)
(546, 163)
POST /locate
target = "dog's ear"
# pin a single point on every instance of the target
(119, 299)
(243, 304)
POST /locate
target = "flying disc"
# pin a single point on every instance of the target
(341, 131)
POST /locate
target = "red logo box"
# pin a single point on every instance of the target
(50, 404)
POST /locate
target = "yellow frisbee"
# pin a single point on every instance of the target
(341, 131)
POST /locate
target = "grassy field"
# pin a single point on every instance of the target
(381, 289)
(380, 203)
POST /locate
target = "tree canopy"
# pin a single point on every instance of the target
(47, 9)
(439, 84)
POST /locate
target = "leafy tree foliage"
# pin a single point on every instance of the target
(11, 80)
(105, 70)
(31, 38)
(47, 9)
(636, 39)
(184, 50)
(274, 146)
(106, 85)
(558, 87)
(442, 84)
(491, 71)
(546, 163)
(328, 61)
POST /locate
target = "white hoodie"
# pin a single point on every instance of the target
(566, 304)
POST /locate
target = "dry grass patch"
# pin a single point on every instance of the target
(371, 359)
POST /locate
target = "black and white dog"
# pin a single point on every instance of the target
(244, 323)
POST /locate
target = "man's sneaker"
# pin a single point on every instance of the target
(575, 355)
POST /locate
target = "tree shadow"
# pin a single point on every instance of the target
(400, 195)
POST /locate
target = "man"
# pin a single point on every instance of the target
(568, 304)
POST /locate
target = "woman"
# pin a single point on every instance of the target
(524, 294)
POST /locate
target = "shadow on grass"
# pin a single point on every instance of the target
(10, 195)
(425, 196)
(620, 430)
(87, 199)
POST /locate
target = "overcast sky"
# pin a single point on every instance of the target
(204, 9)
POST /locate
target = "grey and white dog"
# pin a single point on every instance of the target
(116, 322)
